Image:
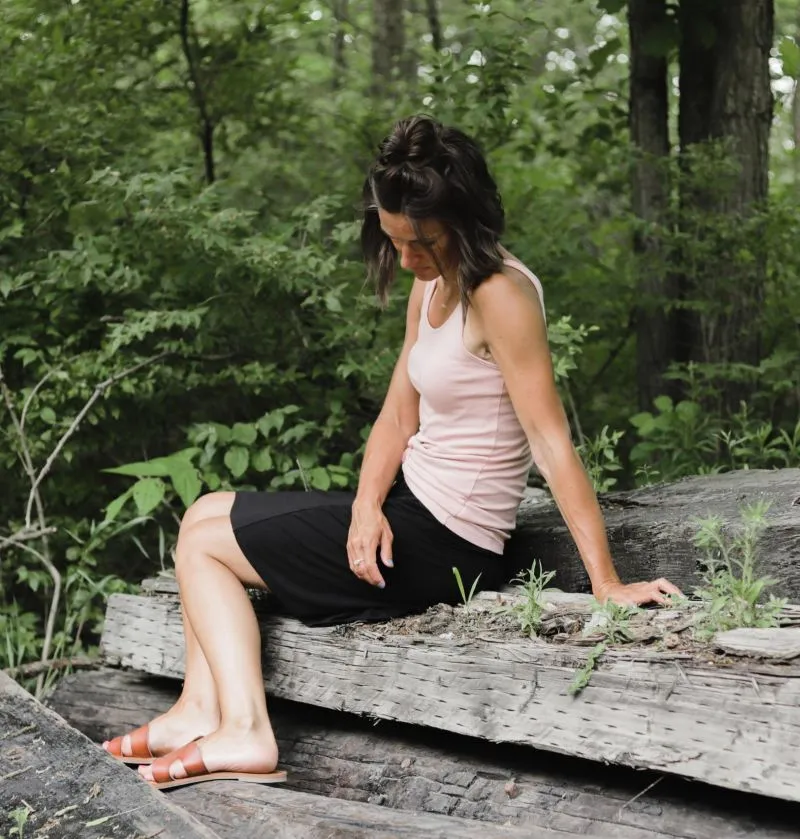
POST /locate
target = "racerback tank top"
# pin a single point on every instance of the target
(469, 461)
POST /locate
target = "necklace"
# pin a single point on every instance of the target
(446, 303)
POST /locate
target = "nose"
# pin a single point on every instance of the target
(407, 257)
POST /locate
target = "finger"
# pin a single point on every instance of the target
(370, 574)
(668, 587)
(386, 547)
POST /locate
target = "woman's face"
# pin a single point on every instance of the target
(419, 249)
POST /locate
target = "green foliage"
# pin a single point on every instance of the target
(685, 438)
(19, 816)
(528, 610)
(731, 592)
(466, 598)
(199, 207)
(601, 459)
(612, 620)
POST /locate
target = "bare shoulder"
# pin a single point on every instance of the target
(504, 292)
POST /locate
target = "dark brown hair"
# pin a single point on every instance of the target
(426, 170)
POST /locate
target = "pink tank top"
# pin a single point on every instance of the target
(469, 461)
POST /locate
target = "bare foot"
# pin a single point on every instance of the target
(235, 749)
(183, 723)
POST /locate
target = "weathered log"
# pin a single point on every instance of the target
(729, 724)
(651, 530)
(247, 810)
(69, 787)
(409, 768)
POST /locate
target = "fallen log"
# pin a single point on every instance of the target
(650, 530)
(704, 717)
(247, 810)
(409, 768)
(56, 782)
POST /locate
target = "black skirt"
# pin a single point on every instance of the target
(297, 544)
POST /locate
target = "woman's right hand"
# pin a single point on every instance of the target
(369, 531)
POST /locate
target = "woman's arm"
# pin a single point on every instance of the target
(396, 423)
(510, 319)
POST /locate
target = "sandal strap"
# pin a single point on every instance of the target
(140, 742)
(140, 745)
(189, 757)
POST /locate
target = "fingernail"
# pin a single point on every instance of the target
(381, 584)
(388, 562)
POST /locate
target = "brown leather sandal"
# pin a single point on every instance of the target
(192, 761)
(140, 747)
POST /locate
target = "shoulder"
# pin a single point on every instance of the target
(507, 294)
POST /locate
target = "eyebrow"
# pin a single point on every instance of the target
(425, 240)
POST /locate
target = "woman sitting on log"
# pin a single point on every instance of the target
(472, 398)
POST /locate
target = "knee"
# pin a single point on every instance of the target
(207, 506)
(189, 539)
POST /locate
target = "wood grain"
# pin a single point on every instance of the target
(650, 530)
(412, 768)
(72, 788)
(734, 726)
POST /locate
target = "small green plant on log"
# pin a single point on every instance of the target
(20, 817)
(731, 592)
(466, 598)
(613, 621)
(528, 610)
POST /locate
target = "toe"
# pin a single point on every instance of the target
(177, 770)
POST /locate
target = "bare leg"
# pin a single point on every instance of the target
(196, 712)
(212, 571)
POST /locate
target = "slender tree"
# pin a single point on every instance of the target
(388, 42)
(649, 110)
(725, 96)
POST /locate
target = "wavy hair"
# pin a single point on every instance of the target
(426, 170)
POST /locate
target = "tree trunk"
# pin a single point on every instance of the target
(388, 42)
(649, 110)
(434, 24)
(339, 61)
(725, 96)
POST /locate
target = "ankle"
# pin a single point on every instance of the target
(243, 723)
(198, 706)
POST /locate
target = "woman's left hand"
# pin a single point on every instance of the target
(637, 594)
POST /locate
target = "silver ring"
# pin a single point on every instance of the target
(358, 562)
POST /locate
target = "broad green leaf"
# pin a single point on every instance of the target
(113, 509)
(319, 478)
(244, 434)
(790, 56)
(187, 484)
(262, 460)
(48, 415)
(159, 467)
(148, 493)
(237, 460)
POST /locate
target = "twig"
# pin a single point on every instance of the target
(44, 555)
(25, 535)
(36, 667)
(638, 795)
(37, 387)
(99, 390)
(13, 774)
(574, 410)
(19, 731)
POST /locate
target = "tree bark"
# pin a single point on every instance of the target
(434, 24)
(339, 61)
(388, 43)
(649, 108)
(725, 96)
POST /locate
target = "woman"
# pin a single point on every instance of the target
(471, 397)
